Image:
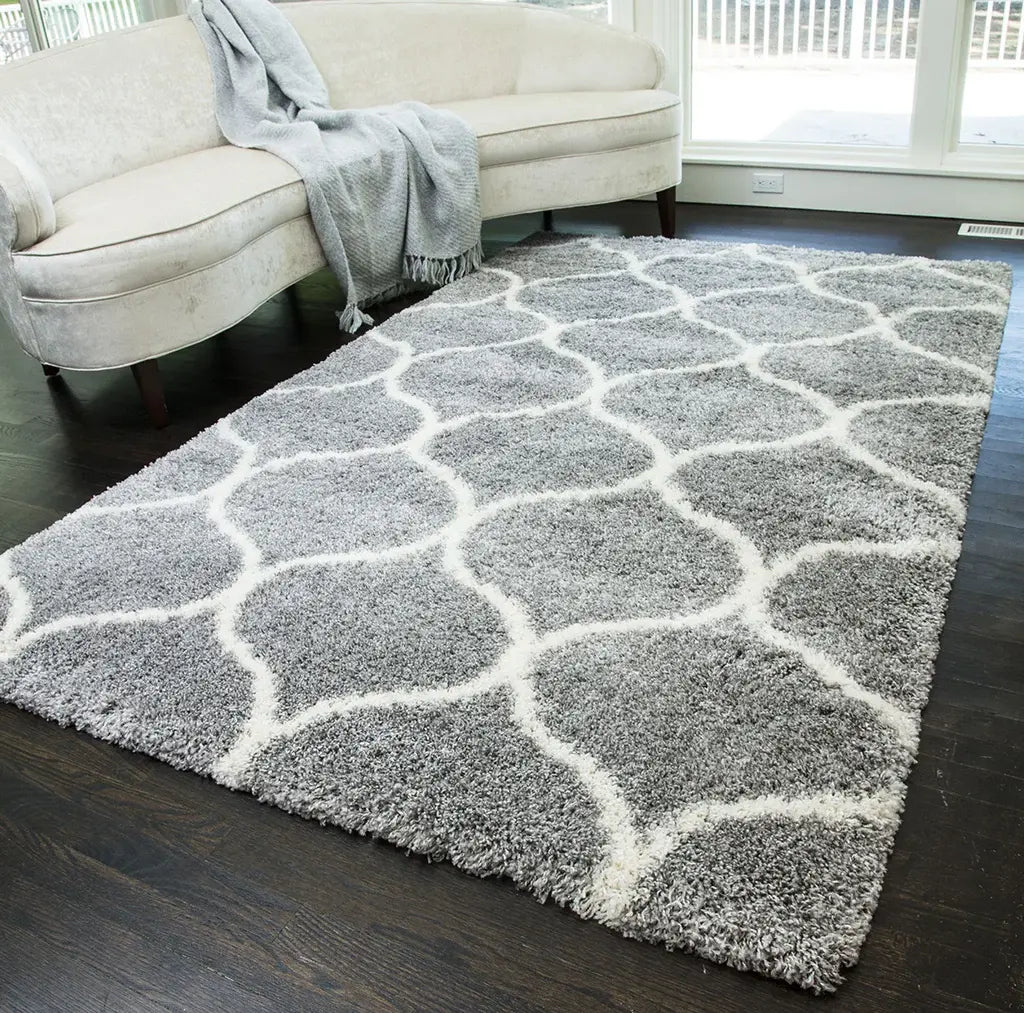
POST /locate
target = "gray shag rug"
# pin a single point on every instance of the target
(617, 569)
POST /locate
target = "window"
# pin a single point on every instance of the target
(870, 74)
(804, 71)
(992, 107)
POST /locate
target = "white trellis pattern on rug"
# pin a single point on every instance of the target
(634, 848)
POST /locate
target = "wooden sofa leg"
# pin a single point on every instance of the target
(49, 370)
(549, 221)
(667, 212)
(147, 376)
(291, 293)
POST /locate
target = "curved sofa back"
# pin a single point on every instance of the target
(100, 107)
(372, 53)
(104, 106)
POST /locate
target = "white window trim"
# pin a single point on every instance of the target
(621, 14)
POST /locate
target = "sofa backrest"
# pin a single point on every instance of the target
(372, 52)
(100, 107)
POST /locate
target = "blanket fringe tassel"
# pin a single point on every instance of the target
(418, 270)
(351, 318)
(439, 271)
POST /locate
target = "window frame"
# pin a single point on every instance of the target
(940, 73)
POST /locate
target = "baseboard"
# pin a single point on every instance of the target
(932, 196)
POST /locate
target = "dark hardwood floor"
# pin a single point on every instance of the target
(126, 885)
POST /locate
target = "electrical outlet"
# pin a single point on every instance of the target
(766, 182)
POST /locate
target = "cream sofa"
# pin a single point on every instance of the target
(130, 228)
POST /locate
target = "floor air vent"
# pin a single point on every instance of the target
(992, 231)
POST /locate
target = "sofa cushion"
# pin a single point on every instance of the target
(190, 212)
(160, 222)
(523, 128)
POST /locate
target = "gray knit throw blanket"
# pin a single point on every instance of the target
(394, 191)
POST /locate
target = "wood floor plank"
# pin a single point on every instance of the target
(73, 943)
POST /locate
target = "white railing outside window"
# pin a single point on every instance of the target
(997, 31)
(829, 30)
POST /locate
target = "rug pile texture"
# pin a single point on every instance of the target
(617, 569)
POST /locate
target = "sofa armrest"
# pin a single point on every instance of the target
(13, 309)
(25, 192)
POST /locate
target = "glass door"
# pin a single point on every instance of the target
(926, 85)
(803, 71)
(992, 103)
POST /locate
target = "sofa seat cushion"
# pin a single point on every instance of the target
(524, 128)
(191, 212)
(159, 222)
